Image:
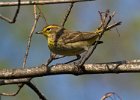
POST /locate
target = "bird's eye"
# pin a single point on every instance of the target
(48, 29)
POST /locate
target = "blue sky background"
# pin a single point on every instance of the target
(84, 17)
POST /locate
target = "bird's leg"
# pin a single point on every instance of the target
(53, 57)
(77, 58)
(99, 42)
(59, 57)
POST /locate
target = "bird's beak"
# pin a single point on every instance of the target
(39, 32)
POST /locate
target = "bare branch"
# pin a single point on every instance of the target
(30, 36)
(14, 93)
(67, 14)
(109, 95)
(99, 68)
(39, 2)
(105, 21)
(13, 81)
(15, 16)
(35, 89)
(42, 14)
(36, 17)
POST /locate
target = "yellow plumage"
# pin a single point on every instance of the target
(66, 42)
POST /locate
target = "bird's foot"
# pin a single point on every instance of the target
(80, 66)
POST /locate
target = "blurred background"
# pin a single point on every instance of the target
(84, 17)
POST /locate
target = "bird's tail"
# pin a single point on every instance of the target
(98, 31)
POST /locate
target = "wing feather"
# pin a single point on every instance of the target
(76, 36)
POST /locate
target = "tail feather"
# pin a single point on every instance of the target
(108, 28)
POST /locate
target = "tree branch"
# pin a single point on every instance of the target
(15, 16)
(35, 89)
(13, 81)
(67, 14)
(110, 95)
(13, 93)
(39, 2)
(36, 18)
(98, 68)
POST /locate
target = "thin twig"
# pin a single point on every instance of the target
(15, 81)
(109, 94)
(40, 2)
(30, 36)
(104, 28)
(15, 16)
(26, 54)
(12, 21)
(35, 89)
(42, 15)
(12, 94)
(67, 14)
(36, 17)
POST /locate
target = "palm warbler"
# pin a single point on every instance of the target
(66, 42)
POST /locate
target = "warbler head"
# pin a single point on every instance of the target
(50, 30)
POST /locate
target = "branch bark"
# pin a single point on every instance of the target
(98, 68)
(43, 2)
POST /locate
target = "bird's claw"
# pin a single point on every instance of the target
(79, 66)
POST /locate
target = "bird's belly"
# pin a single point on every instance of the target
(69, 49)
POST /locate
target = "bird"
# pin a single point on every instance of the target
(62, 41)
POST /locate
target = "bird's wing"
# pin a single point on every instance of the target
(72, 36)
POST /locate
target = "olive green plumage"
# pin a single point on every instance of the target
(66, 42)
